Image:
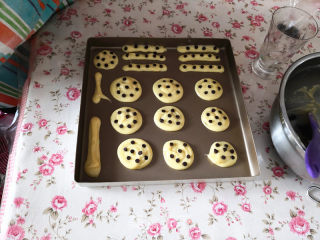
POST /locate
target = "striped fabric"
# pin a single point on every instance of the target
(19, 19)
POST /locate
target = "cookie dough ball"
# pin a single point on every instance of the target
(169, 118)
(208, 89)
(135, 153)
(126, 120)
(105, 60)
(223, 154)
(177, 154)
(126, 89)
(215, 119)
(168, 90)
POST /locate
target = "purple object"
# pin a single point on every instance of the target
(312, 155)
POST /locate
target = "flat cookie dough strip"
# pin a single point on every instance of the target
(98, 95)
(144, 48)
(209, 57)
(92, 166)
(198, 48)
(155, 67)
(144, 56)
(201, 68)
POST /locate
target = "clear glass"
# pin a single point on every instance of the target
(289, 30)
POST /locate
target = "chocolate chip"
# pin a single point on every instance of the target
(136, 46)
(147, 66)
(159, 86)
(161, 56)
(131, 94)
(218, 57)
(138, 66)
(177, 160)
(146, 47)
(185, 144)
(125, 149)
(177, 116)
(140, 152)
(97, 57)
(124, 78)
(128, 158)
(193, 55)
(195, 46)
(135, 113)
(169, 115)
(103, 59)
(184, 164)
(172, 109)
(219, 88)
(171, 144)
(119, 112)
(200, 86)
(188, 156)
(224, 117)
(98, 64)
(121, 126)
(114, 57)
(169, 121)
(164, 81)
(123, 95)
(215, 48)
(137, 89)
(223, 157)
(106, 65)
(157, 48)
(203, 48)
(178, 92)
(220, 111)
(125, 48)
(209, 86)
(201, 54)
(232, 157)
(161, 120)
(219, 67)
(217, 144)
(178, 123)
(118, 92)
(169, 95)
(210, 66)
(213, 110)
(208, 114)
(184, 66)
(220, 123)
(160, 94)
(112, 62)
(171, 81)
(185, 56)
(205, 92)
(144, 145)
(135, 82)
(187, 48)
(216, 151)
(154, 64)
(202, 67)
(168, 86)
(231, 151)
(225, 149)
(115, 121)
(129, 126)
(161, 66)
(179, 151)
(132, 151)
(127, 116)
(226, 145)
(154, 55)
(126, 87)
(209, 55)
(216, 117)
(132, 142)
(137, 160)
(194, 67)
(146, 157)
(171, 155)
(135, 121)
(213, 91)
(210, 121)
(130, 65)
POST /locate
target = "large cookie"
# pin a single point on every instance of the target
(197, 48)
(199, 57)
(143, 48)
(177, 154)
(105, 60)
(144, 56)
(135, 153)
(168, 90)
(126, 89)
(152, 67)
(169, 118)
(126, 120)
(208, 89)
(201, 68)
(215, 119)
(222, 154)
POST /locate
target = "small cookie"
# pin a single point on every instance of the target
(169, 118)
(168, 90)
(177, 154)
(197, 48)
(144, 56)
(126, 120)
(208, 89)
(143, 48)
(154, 67)
(126, 89)
(105, 60)
(215, 119)
(199, 57)
(201, 68)
(223, 154)
(134, 153)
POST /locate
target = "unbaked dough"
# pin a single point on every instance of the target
(126, 89)
(98, 95)
(222, 154)
(208, 89)
(209, 57)
(178, 155)
(169, 118)
(215, 119)
(135, 153)
(201, 68)
(143, 48)
(144, 56)
(149, 67)
(168, 90)
(197, 48)
(105, 60)
(126, 120)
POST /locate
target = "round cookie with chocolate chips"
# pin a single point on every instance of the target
(208, 89)
(126, 120)
(223, 154)
(168, 90)
(169, 118)
(215, 119)
(178, 155)
(105, 60)
(135, 153)
(126, 89)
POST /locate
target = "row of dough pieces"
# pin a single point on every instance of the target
(167, 90)
(127, 120)
(109, 60)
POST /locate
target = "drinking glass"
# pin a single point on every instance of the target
(289, 30)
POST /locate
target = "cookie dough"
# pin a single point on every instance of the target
(134, 153)
(168, 90)
(222, 154)
(126, 89)
(197, 48)
(105, 60)
(143, 48)
(177, 154)
(208, 89)
(169, 118)
(98, 95)
(201, 68)
(154, 67)
(144, 56)
(92, 165)
(126, 120)
(215, 119)
(199, 57)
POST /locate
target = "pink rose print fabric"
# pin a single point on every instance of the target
(41, 199)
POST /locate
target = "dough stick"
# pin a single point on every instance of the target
(98, 92)
(92, 166)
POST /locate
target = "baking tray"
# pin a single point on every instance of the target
(113, 173)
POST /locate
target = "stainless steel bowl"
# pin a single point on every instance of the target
(287, 141)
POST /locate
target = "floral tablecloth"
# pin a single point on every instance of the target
(41, 199)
